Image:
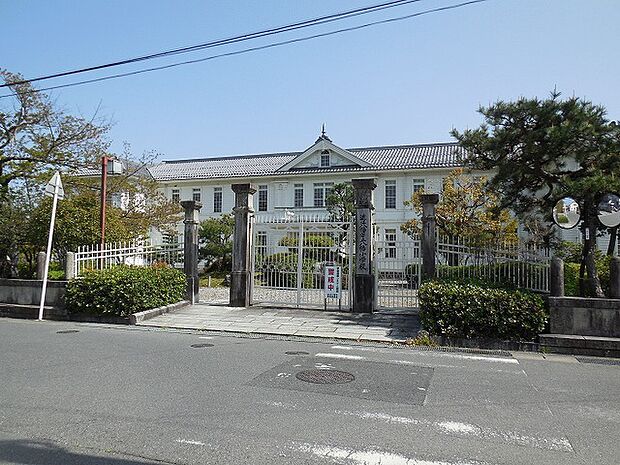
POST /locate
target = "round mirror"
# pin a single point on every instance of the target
(566, 213)
(608, 210)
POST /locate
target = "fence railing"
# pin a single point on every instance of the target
(523, 265)
(138, 253)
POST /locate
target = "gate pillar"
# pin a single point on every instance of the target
(241, 277)
(190, 249)
(429, 228)
(364, 281)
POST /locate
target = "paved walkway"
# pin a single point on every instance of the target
(292, 322)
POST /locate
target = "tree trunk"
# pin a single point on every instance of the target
(613, 237)
(589, 248)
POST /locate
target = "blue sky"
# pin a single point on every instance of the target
(405, 82)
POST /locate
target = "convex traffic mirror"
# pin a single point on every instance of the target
(566, 213)
(608, 210)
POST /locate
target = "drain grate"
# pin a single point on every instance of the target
(297, 352)
(67, 331)
(598, 361)
(201, 345)
(325, 376)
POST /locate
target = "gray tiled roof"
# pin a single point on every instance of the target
(441, 155)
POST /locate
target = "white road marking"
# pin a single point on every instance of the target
(343, 356)
(454, 428)
(371, 456)
(205, 337)
(193, 443)
(482, 358)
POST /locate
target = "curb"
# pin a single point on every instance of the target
(139, 317)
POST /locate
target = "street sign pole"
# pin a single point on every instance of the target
(56, 184)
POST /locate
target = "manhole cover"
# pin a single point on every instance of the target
(598, 361)
(200, 346)
(67, 331)
(296, 352)
(325, 376)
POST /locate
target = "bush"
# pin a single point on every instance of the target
(507, 274)
(468, 310)
(124, 290)
(571, 276)
(280, 270)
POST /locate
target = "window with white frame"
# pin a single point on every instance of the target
(325, 159)
(418, 185)
(321, 191)
(217, 200)
(298, 199)
(262, 198)
(390, 243)
(196, 197)
(176, 195)
(390, 194)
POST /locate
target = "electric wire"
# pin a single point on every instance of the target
(253, 49)
(231, 40)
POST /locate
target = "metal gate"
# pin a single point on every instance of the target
(289, 256)
(398, 271)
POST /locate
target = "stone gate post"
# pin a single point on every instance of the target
(241, 277)
(364, 281)
(190, 249)
(429, 229)
(556, 277)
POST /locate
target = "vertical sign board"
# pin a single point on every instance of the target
(332, 281)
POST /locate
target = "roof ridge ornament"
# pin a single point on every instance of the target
(323, 136)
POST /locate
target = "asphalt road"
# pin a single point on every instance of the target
(128, 396)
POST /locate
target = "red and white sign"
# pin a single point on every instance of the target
(333, 274)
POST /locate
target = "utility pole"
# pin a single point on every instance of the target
(104, 181)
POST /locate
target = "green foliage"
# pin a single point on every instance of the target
(571, 276)
(502, 275)
(543, 150)
(124, 290)
(467, 209)
(340, 202)
(467, 310)
(280, 270)
(215, 236)
(316, 247)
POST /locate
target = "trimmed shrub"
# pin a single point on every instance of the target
(280, 270)
(124, 290)
(506, 274)
(467, 310)
(571, 276)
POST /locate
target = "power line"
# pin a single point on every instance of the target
(254, 49)
(240, 38)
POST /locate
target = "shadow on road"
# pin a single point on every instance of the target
(48, 453)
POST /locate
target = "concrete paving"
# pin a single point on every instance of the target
(380, 327)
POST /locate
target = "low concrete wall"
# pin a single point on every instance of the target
(584, 316)
(28, 292)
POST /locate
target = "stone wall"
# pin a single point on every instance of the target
(28, 292)
(584, 316)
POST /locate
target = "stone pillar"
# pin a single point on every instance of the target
(70, 266)
(190, 249)
(241, 277)
(364, 281)
(556, 277)
(614, 278)
(41, 264)
(429, 232)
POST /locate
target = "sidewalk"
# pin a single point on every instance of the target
(291, 322)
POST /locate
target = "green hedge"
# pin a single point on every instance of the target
(280, 270)
(124, 290)
(571, 276)
(507, 274)
(467, 310)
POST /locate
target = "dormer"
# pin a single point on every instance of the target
(323, 154)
